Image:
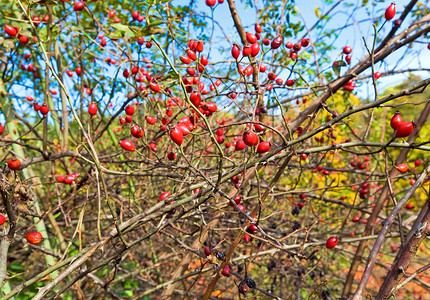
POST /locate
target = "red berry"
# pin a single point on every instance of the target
(79, 6)
(10, 30)
(402, 168)
(356, 219)
(251, 38)
(34, 237)
(246, 51)
(304, 42)
(240, 145)
(293, 55)
(277, 42)
(2, 219)
(92, 109)
(207, 250)
(137, 132)
(210, 3)
(171, 155)
(255, 49)
(177, 136)
(155, 87)
(390, 12)
(61, 178)
(250, 138)
(151, 120)
(258, 28)
(405, 129)
(127, 145)
(331, 242)
(14, 163)
(290, 82)
(263, 147)
(396, 120)
(226, 271)
(195, 98)
(377, 75)
(44, 109)
(185, 59)
(347, 49)
(266, 42)
(129, 109)
(409, 206)
(418, 163)
(252, 228)
(164, 196)
(204, 61)
(348, 59)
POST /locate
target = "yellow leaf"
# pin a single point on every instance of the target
(317, 12)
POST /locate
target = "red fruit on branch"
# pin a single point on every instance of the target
(258, 28)
(402, 168)
(396, 120)
(347, 49)
(177, 136)
(255, 49)
(185, 59)
(61, 178)
(79, 6)
(293, 55)
(92, 109)
(377, 75)
(251, 38)
(151, 120)
(226, 271)
(331, 242)
(10, 30)
(164, 196)
(348, 59)
(2, 219)
(127, 145)
(210, 3)
(263, 147)
(405, 129)
(154, 86)
(390, 12)
(207, 250)
(195, 99)
(137, 132)
(44, 109)
(34, 237)
(171, 156)
(246, 51)
(250, 138)
(204, 61)
(130, 109)
(240, 145)
(277, 42)
(304, 42)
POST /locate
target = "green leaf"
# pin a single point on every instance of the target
(336, 69)
(120, 27)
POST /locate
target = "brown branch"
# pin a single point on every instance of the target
(381, 236)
